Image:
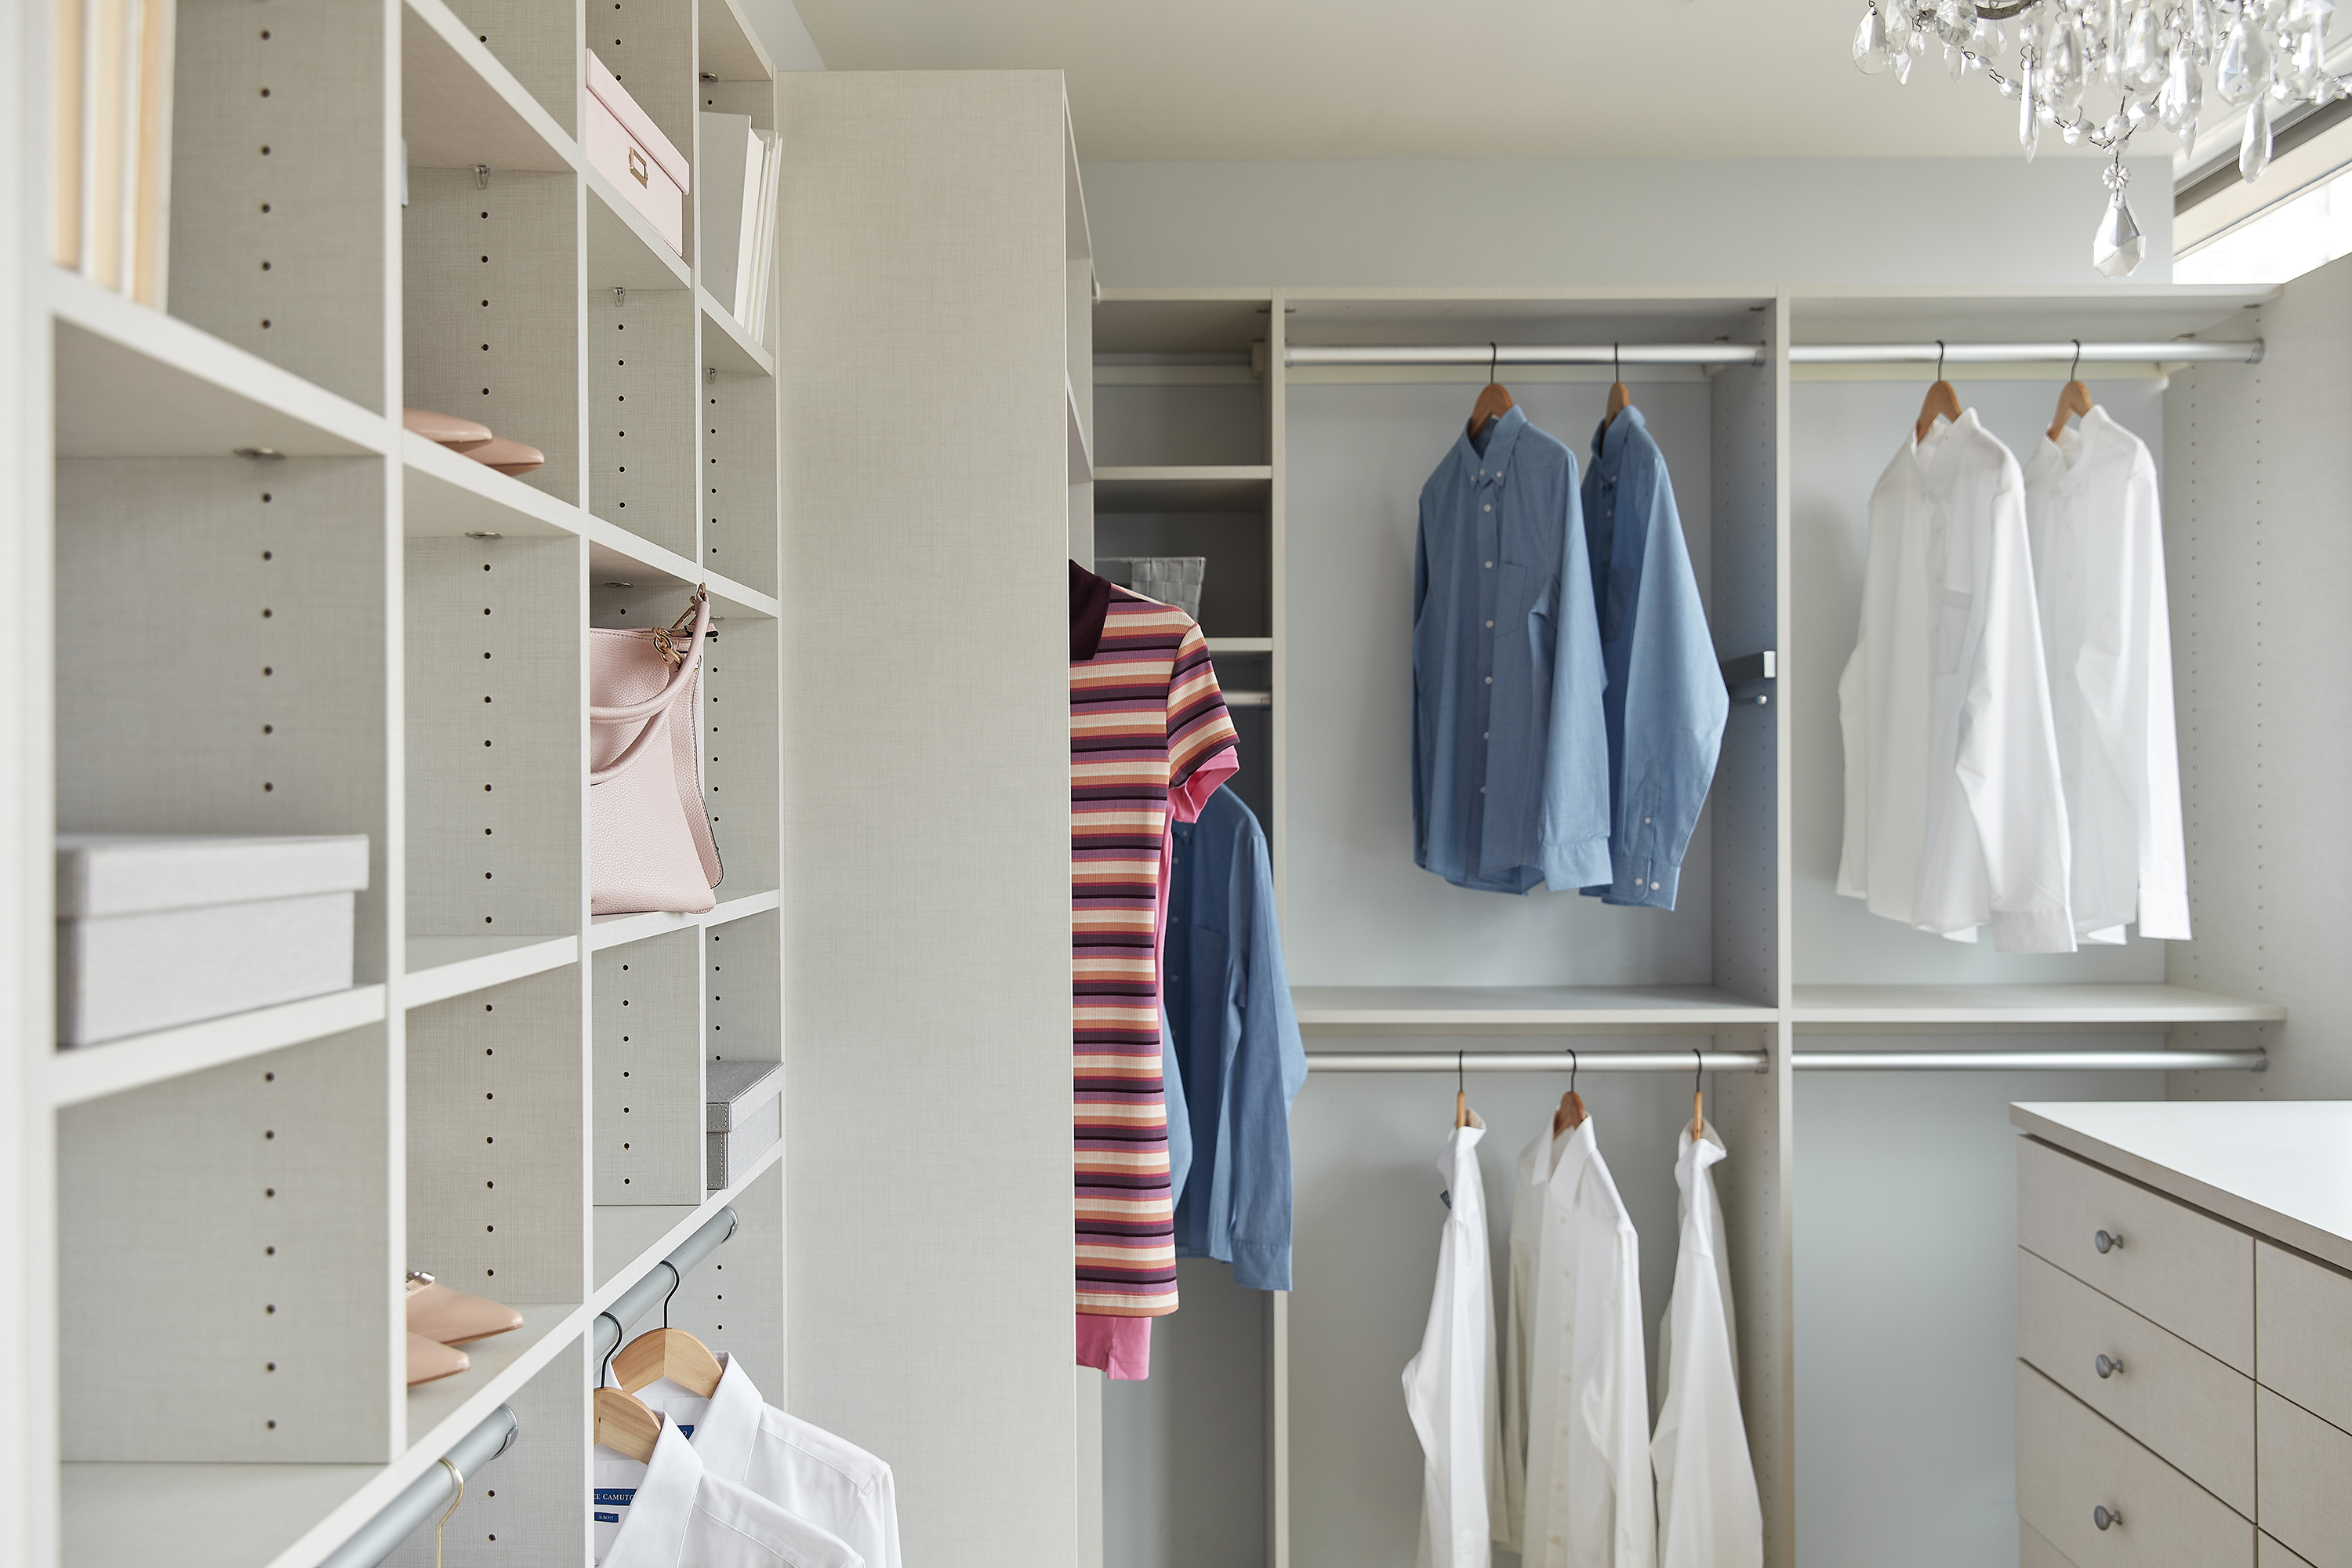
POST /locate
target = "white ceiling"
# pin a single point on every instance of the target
(1414, 78)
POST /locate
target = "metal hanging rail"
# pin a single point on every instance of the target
(2243, 350)
(2248, 1060)
(426, 1496)
(660, 1280)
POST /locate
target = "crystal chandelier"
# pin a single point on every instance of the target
(2149, 57)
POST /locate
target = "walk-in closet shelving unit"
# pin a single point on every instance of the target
(1759, 954)
(275, 611)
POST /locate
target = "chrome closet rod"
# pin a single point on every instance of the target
(660, 1280)
(2248, 1060)
(2243, 350)
(425, 1497)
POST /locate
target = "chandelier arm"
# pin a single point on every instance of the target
(1998, 13)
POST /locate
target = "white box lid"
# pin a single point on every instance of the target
(606, 89)
(137, 873)
(738, 1088)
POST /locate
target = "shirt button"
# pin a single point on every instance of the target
(1654, 887)
(1486, 734)
(1490, 623)
(1490, 681)
(1489, 508)
(1645, 822)
(1490, 566)
(1482, 789)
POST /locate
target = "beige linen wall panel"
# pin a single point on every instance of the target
(925, 612)
(2260, 568)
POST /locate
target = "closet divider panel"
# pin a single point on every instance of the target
(926, 793)
(279, 164)
(741, 744)
(538, 41)
(1755, 1185)
(2256, 466)
(648, 1074)
(739, 474)
(220, 662)
(1744, 614)
(644, 365)
(223, 1238)
(743, 997)
(530, 1504)
(490, 318)
(496, 1161)
(496, 764)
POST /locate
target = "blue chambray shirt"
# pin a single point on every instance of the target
(1237, 1045)
(1665, 703)
(1510, 754)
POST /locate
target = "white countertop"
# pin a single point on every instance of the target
(2282, 1168)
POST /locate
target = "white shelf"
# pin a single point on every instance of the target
(625, 251)
(440, 967)
(93, 1072)
(630, 1238)
(725, 346)
(1445, 1010)
(460, 107)
(495, 1360)
(211, 1516)
(613, 931)
(135, 382)
(616, 554)
(1951, 1009)
(449, 493)
(1240, 489)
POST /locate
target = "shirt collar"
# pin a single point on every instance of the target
(1486, 469)
(659, 1515)
(1089, 608)
(1943, 437)
(730, 1427)
(1568, 1151)
(1609, 440)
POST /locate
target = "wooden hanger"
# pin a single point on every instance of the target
(668, 1352)
(1941, 399)
(2074, 398)
(624, 1426)
(1620, 400)
(1461, 1093)
(1494, 401)
(1698, 1116)
(1571, 1104)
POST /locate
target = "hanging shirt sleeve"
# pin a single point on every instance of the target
(1676, 705)
(1268, 1069)
(2008, 762)
(1414, 739)
(2127, 680)
(1574, 838)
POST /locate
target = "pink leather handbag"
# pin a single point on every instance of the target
(650, 839)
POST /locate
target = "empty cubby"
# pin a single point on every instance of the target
(743, 997)
(647, 1072)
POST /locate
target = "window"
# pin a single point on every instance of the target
(2303, 231)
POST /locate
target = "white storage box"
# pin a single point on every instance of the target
(629, 149)
(747, 1116)
(156, 929)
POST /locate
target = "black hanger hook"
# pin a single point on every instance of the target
(1461, 1074)
(1698, 1071)
(1616, 365)
(2077, 365)
(1493, 358)
(1572, 1065)
(1939, 359)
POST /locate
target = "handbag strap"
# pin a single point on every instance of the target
(645, 710)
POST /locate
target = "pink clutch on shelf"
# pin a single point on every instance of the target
(649, 840)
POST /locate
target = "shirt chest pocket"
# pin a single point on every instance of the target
(1522, 609)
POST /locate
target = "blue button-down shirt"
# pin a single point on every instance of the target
(1511, 760)
(1228, 1008)
(1664, 705)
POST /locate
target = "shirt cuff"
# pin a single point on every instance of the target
(2032, 930)
(1567, 866)
(1259, 1265)
(1638, 881)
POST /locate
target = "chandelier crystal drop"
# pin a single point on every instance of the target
(2130, 61)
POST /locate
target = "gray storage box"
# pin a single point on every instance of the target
(159, 929)
(747, 1116)
(1171, 579)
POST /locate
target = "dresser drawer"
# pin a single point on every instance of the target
(2070, 1461)
(2304, 1474)
(2303, 1331)
(2181, 1269)
(2269, 1553)
(2187, 1407)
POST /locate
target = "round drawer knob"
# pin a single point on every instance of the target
(2107, 1240)
(2107, 1365)
(2104, 1516)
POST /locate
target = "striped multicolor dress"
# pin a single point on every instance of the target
(1149, 736)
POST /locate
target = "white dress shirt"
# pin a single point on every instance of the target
(1449, 1387)
(673, 1513)
(1518, 1318)
(1708, 1513)
(1588, 1500)
(1955, 816)
(803, 1468)
(2098, 569)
